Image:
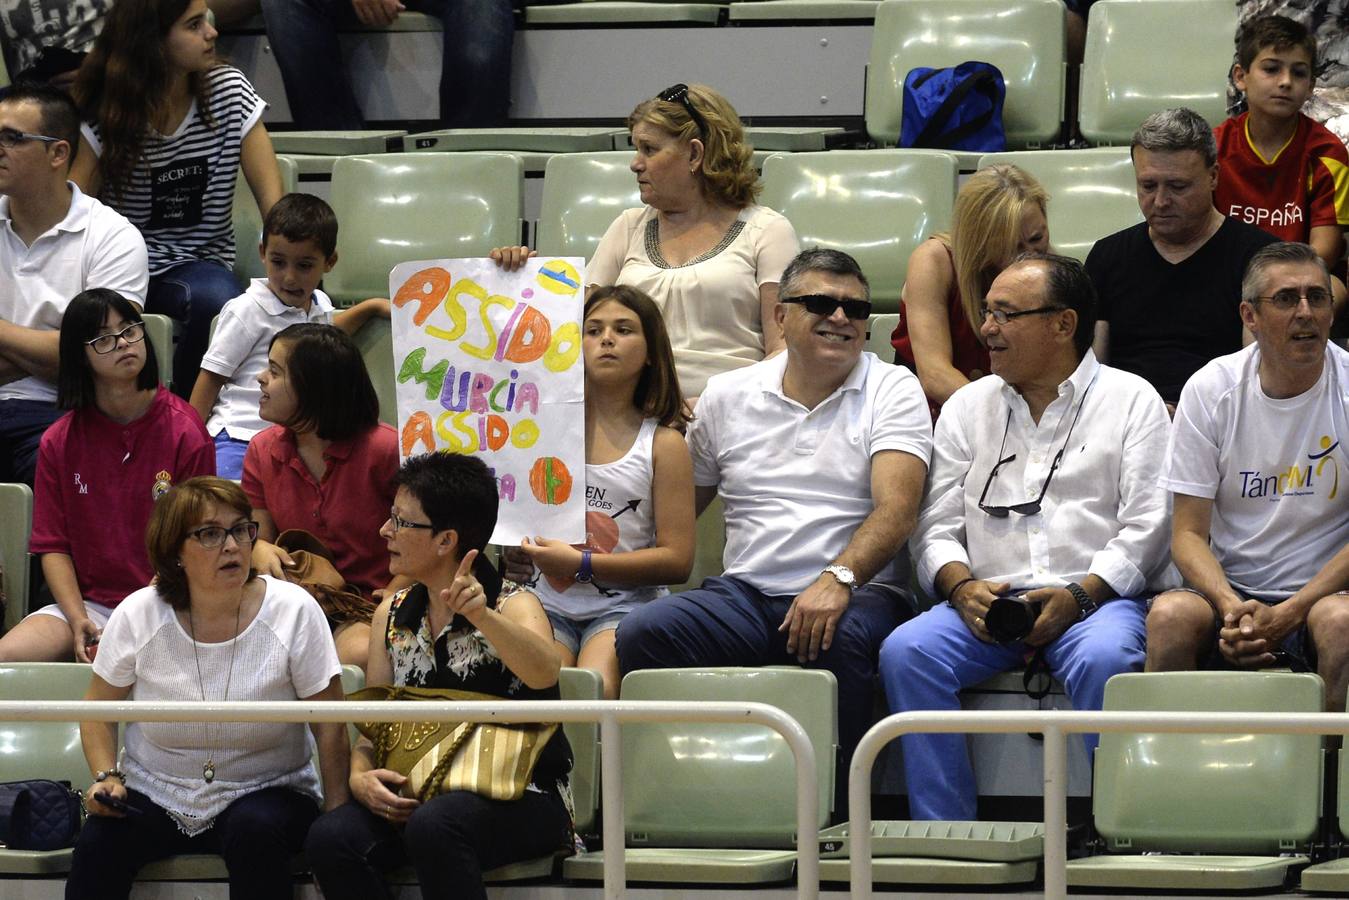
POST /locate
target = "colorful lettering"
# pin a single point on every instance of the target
(413, 369)
(425, 288)
(549, 481)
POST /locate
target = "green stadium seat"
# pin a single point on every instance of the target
(1091, 193)
(41, 749)
(1145, 55)
(1025, 39)
(1249, 803)
(794, 138)
(375, 340)
(710, 546)
(536, 140)
(16, 526)
(399, 207)
(1333, 876)
(946, 853)
(248, 222)
(339, 143)
(877, 205)
(721, 807)
(582, 195)
(803, 11)
(625, 12)
(879, 330)
(159, 331)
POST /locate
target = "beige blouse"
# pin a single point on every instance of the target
(710, 304)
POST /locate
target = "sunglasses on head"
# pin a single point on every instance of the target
(679, 93)
(824, 305)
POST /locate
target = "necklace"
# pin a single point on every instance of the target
(208, 770)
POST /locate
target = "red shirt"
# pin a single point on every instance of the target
(97, 482)
(344, 509)
(1306, 184)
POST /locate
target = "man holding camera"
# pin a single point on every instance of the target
(1255, 467)
(1043, 491)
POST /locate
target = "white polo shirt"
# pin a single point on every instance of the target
(796, 482)
(238, 351)
(92, 247)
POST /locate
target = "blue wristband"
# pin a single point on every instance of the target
(585, 574)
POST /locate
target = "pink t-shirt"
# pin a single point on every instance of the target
(97, 481)
(344, 509)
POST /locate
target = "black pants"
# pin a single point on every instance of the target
(256, 834)
(449, 840)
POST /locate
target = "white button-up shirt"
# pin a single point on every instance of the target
(796, 482)
(1105, 512)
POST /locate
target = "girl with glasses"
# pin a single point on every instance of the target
(209, 629)
(101, 468)
(326, 466)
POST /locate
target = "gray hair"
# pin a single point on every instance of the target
(818, 259)
(1253, 282)
(1176, 130)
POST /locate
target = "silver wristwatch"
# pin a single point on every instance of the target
(843, 575)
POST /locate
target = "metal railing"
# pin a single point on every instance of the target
(1056, 726)
(609, 715)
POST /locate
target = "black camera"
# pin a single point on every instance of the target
(1011, 617)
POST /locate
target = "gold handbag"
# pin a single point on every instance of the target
(487, 758)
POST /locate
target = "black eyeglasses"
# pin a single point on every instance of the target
(1289, 298)
(399, 523)
(212, 536)
(1002, 316)
(824, 305)
(1030, 507)
(679, 93)
(106, 343)
(12, 137)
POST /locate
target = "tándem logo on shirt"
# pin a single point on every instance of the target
(1297, 480)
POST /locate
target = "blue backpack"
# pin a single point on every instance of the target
(954, 109)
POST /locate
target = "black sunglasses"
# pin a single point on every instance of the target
(1030, 507)
(679, 93)
(824, 305)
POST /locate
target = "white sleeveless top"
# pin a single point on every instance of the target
(618, 519)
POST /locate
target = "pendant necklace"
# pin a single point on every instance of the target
(208, 770)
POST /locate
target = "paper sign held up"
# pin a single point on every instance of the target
(489, 363)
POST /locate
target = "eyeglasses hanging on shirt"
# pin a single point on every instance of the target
(1030, 507)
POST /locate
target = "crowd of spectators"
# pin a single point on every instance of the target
(1135, 461)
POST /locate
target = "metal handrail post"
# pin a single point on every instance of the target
(1056, 812)
(611, 802)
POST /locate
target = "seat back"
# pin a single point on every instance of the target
(1217, 793)
(1120, 88)
(1025, 39)
(724, 785)
(1091, 193)
(43, 749)
(159, 331)
(399, 207)
(582, 195)
(16, 527)
(375, 340)
(584, 737)
(877, 205)
(248, 221)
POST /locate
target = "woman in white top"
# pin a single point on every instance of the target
(209, 629)
(701, 247)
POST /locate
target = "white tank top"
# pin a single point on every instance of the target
(618, 519)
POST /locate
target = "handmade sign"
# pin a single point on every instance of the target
(489, 363)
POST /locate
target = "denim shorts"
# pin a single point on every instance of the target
(575, 633)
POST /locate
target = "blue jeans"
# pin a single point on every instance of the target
(229, 456)
(727, 622)
(926, 662)
(22, 423)
(256, 834)
(475, 74)
(193, 293)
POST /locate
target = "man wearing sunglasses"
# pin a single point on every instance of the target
(819, 455)
(54, 243)
(1260, 487)
(1044, 486)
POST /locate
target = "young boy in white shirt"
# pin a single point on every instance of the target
(299, 247)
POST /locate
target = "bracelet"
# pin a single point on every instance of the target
(105, 774)
(951, 594)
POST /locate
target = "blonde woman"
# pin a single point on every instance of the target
(999, 214)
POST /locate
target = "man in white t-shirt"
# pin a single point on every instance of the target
(819, 455)
(1043, 502)
(54, 243)
(1255, 465)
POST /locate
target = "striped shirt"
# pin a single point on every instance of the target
(181, 195)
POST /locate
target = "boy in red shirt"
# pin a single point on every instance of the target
(1278, 169)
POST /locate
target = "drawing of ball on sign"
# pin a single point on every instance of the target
(550, 481)
(558, 277)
